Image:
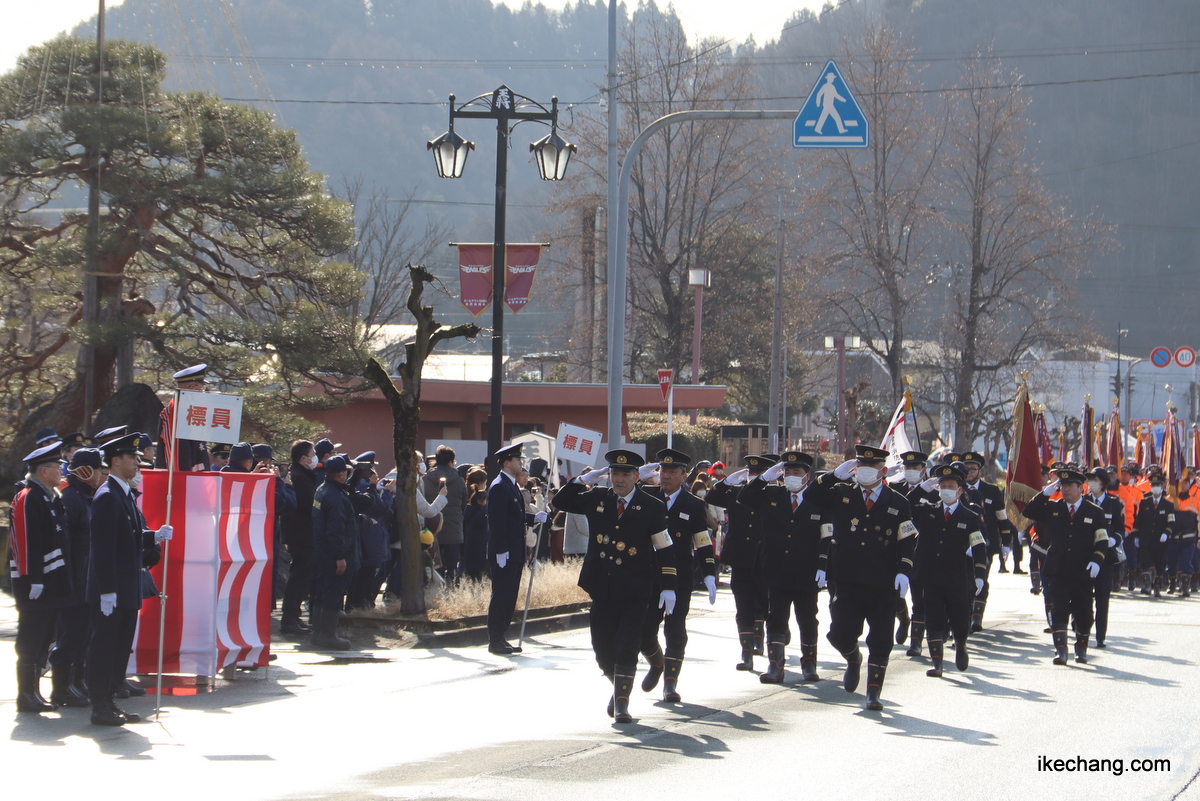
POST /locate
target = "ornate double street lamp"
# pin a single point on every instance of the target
(550, 153)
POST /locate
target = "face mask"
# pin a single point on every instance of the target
(912, 476)
(1156, 492)
(793, 483)
(1094, 487)
(866, 475)
(948, 496)
(136, 481)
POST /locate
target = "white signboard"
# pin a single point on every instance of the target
(209, 417)
(577, 444)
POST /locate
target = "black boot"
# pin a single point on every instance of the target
(104, 713)
(324, 633)
(808, 662)
(29, 698)
(611, 698)
(126, 690)
(853, 669)
(914, 644)
(935, 658)
(760, 633)
(1081, 642)
(777, 653)
(746, 638)
(1060, 647)
(1185, 585)
(961, 660)
(976, 616)
(129, 717)
(622, 683)
(62, 693)
(902, 622)
(672, 664)
(292, 624)
(79, 681)
(656, 669)
(875, 674)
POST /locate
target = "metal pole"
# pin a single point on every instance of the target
(840, 344)
(529, 588)
(697, 317)
(671, 416)
(614, 166)
(783, 424)
(91, 289)
(776, 343)
(172, 458)
(499, 265)
(620, 243)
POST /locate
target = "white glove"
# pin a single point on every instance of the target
(502, 559)
(773, 472)
(647, 470)
(1093, 569)
(739, 477)
(820, 579)
(902, 584)
(592, 476)
(108, 602)
(978, 585)
(970, 550)
(1163, 538)
(711, 583)
(35, 591)
(164, 534)
(540, 517)
(1005, 551)
(666, 601)
(1049, 489)
(530, 539)
(1112, 542)
(1137, 543)
(929, 484)
(845, 469)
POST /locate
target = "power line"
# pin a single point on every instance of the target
(1122, 160)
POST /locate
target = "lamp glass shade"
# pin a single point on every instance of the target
(450, 153)
(552, 155)
(699, 277)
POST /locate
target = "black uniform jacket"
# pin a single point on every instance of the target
(871, 547)
(620, 564)
(687, 523)
(507, 518)
(77, 501)
(743, 542)
(1114, 521)
(1153, 520)
(40, 549)
(942, 545)
(1070, 544)
(792, 540)
(990, 498)
(120, 541)
(335, 525)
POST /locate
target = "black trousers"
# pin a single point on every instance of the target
(506, 581)
(363, 588)
(916, 589)
(108, 652)
(947, 609)
(674, 625)
(855, 604)
(1102, 591)
(35, 632)
(300, 576)
(452, 561)
(329, 589)
(1071, 596)
(783, 599)
(71, 640)
(750, 596)
(987, 581)
(617, 632)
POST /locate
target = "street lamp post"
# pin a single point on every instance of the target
(551, 154)
(699, 279)
(840, 344)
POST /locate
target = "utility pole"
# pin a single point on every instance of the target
(776, 341)
(611, 218)
(91, 289)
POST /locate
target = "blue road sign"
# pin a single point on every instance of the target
(1160, 357)
(831, 117)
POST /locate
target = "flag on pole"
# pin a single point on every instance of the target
(1023, 477)
(1063, 454)
(1115, 448)
(1173, 448)
(1195, 450)
(895, 439)
(1045, 452)
(1087, 421)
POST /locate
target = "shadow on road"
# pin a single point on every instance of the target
(53, 730)
(909, 726)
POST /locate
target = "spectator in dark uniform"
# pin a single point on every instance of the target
(72, 443)
(219, 451)
(475, 537)
(374, 515)
(335, 548)
(324, 449)
(450, 537)
(298, 537)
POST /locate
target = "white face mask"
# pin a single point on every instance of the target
(912, 476)
(1094, 487)
(948, 496)
(793, 483)
(866, 475)
(1156, 492)
(136, 481)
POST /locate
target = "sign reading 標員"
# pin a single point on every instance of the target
(577, 444)
(209, 417)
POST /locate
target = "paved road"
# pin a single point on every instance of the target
(462, 724)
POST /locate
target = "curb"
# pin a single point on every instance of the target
(430, 635)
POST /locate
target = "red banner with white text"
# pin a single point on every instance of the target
(522, 263)
(475, 277)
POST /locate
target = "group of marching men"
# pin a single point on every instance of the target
(934, 530)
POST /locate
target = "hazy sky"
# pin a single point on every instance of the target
(29, 23)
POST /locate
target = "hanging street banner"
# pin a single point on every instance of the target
(475, 278)
(522, 263)
(210, 417)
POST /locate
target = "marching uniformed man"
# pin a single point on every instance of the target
(950, 542)
(1131, 497)
(1075, 533)
(796, 556)
(508, 519)
(1153, 526)
(40, 564)
(335, 551)
(621, 571)
(120, 544)
(743, 552)
(1183, 537)
(998, 531)
(874, 537)
(1114, 520)
(915, 464)
(687, 523)
(193, 455)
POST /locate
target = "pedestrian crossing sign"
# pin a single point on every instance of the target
(831, 117)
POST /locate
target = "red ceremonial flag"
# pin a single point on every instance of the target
(1045, 452)
(1023, 478)
(1195, 450)
(1115, 448)
(475, 277)
(1173, 447)
(1063, 453)
(522, 263)
(218, 611)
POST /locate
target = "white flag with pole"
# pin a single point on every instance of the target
(895, 439)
